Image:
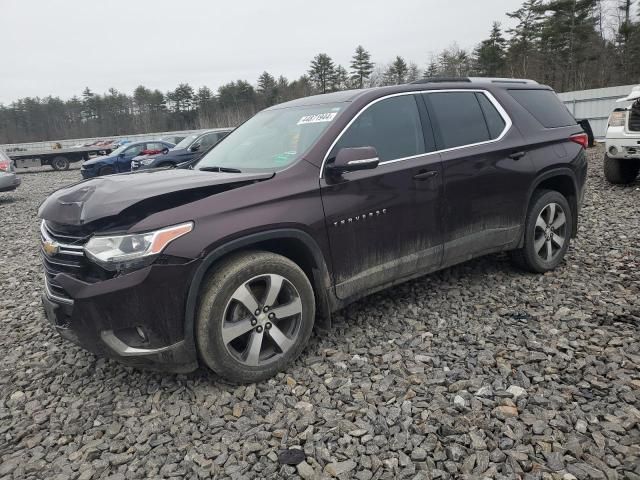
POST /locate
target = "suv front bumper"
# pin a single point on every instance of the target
(622, 144)
(137, 318)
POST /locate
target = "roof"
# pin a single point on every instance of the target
(436, 83)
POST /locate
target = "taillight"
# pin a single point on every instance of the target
(5, 165)
(581, 139)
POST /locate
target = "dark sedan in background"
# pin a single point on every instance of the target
(119, 160)
(191, 148)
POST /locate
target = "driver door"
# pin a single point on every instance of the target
(124, 162)
(384, 224)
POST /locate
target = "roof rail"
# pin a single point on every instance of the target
(441, 80)
(521, 81)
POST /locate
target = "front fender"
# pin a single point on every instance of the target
(320, 281)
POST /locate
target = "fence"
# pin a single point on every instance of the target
(595, 105)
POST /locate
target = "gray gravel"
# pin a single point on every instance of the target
(477, 371)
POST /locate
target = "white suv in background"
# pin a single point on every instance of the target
(622, 154)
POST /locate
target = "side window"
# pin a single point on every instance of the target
(459, 117)
(155, 146)
(391, 125)
(209, 140)
(495, 122)
(135, 150)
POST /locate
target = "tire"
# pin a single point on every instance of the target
(224, 328)
(60, 163)
(106, 171)
(166, 164)
(538, 237)
(619, 171)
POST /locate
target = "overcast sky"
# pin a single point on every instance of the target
(58, 47)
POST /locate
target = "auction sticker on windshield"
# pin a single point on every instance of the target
(317, 118)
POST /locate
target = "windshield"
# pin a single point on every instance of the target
(120, 149)
(186, 141)
(273, 139)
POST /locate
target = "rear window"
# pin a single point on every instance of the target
(545, 106)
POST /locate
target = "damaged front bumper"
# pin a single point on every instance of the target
(137, 318)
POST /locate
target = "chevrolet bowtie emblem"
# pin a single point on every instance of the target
(50, 248)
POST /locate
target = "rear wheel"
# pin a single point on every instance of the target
(548, 230)
(106, 171)
(255, 316)
(620, 171)
(60, 163)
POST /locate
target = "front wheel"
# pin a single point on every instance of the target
(620, 171)
(548, 230)
(255, 316)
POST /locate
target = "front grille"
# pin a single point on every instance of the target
(68, 259)
(634, 120)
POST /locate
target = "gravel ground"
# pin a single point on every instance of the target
(477, 371)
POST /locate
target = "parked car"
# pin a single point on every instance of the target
(189, 149)
(622, 151)
(8, 179)
(303, 209)
(119, 160)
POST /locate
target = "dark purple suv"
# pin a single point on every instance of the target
(305, 208)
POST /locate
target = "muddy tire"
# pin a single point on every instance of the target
(255, 316)
(548, 231)
(60, 163)
(620, 171)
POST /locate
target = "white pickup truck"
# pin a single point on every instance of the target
(622, 153)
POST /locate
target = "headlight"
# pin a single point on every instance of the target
(617, 119)
(147, 161)
(120, 252)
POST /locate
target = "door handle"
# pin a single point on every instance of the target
(517, 155)
(425, 175)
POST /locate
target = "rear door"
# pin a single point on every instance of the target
(486, 173)
(384, 224)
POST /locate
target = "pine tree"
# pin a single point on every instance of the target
(361, 67)
(432, 69)
(490, 54)
(267, 87)
(525, 38)
(340, 79)
(413, 73)
(322, 72)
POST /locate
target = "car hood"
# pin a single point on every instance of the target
(107, 196)
(96, 160)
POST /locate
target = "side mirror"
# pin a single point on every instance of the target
(121, 155)
(354, 158)
(195, 148)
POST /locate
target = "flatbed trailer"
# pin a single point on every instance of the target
(58, 159)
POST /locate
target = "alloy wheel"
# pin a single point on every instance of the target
(550, 232)
(262, 320)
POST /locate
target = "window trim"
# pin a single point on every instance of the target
(503, 113)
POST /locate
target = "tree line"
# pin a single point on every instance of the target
(567, 44)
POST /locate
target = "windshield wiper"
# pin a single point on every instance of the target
(220, 169)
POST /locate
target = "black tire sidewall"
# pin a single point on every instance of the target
(65, 164)
(106, 171)
(217, 290)
(543, 199)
